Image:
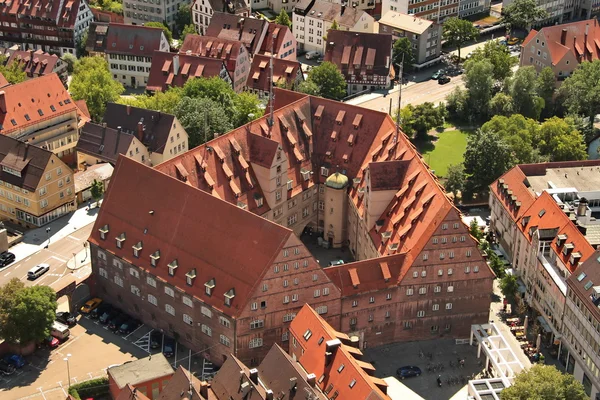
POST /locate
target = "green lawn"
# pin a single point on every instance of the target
(448, 149)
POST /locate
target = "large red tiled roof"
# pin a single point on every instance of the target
(512, 183)
(249, 31)
(188, 226)
(32, 102)
(165, 73)
(278, 42)
(343, 372)
(133, 40)
(283, 71)
(103, 142)
(213, 47)
(55, 12)
(34, 63)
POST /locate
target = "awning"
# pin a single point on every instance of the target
(544, 324)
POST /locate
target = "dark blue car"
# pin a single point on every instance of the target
(408, 371)
(15, 360)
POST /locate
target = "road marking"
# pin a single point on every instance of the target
(8, 273)
(75, 379)
(40, 389)
(59, 259)
(73, 237)
(90, 374)
(134, 331)
(63, 389)
(27, 259)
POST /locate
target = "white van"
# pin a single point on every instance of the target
(37, 271)
(60, 331)
(312, 55)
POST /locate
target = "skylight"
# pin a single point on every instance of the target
(581, 276)
(541, 213)
(588, 285)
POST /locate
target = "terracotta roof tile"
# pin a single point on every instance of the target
(208, 46)
(164, 74)
(34, 63)
(250, 31)
(104, 143)
(134, 40)
(258, 78)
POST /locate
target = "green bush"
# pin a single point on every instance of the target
(91, 388)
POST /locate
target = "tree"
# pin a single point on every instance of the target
(189, 29)
(97, 189)
(213, 88)
(496, 264)
(509, 287)
(522, 89)
(403, 49)
(329, 80)
(545, 87)
(457, 104)
(479, 83)
(498, 55)
(283, 19)
(70, 60)
(13, 72)
(93, 82)
(522, 13)
(160, 101)
(27, 313)
(581, 91)
(183, 18)
(475, 231)
(80, 44)
(455, 179)
(309, 87)
(544, 382)
(202, 118)
(561, 141)
(247, 108)
(425, 117)
(458, 31)
(166, 30)
(517, 132)
(334, 25)
(486, 158)
(501, 104)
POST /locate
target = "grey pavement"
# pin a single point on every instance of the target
(322, 255)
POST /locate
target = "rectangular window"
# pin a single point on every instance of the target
(169, 308)
(187, 319)
(187, 301)
(225, 322)
(152, 300)
(448, 306)
(151, 281)
(169, 291)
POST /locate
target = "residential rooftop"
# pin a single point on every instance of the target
(142, 370)
(405, 22)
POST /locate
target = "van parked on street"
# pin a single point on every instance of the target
(60, 331)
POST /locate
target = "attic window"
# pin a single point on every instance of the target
(305, 174)
(541, 213)
(137, 248)
(229, 295)
(209, 286)
(40, 112)
(588, 285)
(581, 276)
(141, 47)
(173, 265)
(27, 117)
(120, 240)
(131, 46)
(114, 44)
(357, 121)
(190, 276)
(154, 257)
(103, 231)
(13, 122)
(290, 184)
(307, 334)
(52, 108)
(352, 383)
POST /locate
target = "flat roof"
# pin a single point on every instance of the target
(408, 23)
(397, 390)
(584, 179)
(142, 370)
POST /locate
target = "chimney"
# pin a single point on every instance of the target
(128, 110)
(582, 207)
(269, 394)
(2, 101)
(343, 9)
(563, 37)
(175, 65)
(118, 139)
(311, 379)
(140, 130)
(254, 375)
(204, 389)
(331, 347)
(585, 39)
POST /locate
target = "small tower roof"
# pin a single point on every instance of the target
(337, 181)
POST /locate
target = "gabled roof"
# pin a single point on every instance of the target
(346, 17)
(209, 46)
(33, 101)
(96, 37)
(512, 183)
(359, 53)
(97, 172)
(249, 31)
(103, 143)
(156, 125)
(181, 384)
(34, 63)
(165, 214)
(405, 22)
(127, 393)
(274, 29)
(283, 70)
(56, 12)
(341, 369)
(232, 381)
(166, 72)
(133, 40)
(25, 160)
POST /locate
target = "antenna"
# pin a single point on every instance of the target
(400, 72)
(271, 87)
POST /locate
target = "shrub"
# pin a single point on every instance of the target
(92, 388)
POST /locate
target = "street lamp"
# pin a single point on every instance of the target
(68, 369)
(48, 229)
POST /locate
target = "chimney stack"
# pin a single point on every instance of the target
(204, 389)
(175, 65)
(254, 375)
(585, 39)
(582, 207)
(343, 9)
(311, 379)
(140, 130)
(269, 394)
(128, 110)
(563, 37)
(3, 101)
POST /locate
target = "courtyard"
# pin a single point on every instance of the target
(447, 148)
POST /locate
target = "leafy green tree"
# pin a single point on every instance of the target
(114, 6)
(455, 179)
(334, 25)
(544, 382)
(97, 189)
(501, 104)
(498, 55)
(545, 86)
(457, 104)
(183, 18)
(486, 158)
(13, 73)
(284, 19)
(247, 108)
(509, 287)
(309, 87)
(202, 118)
(581, 91)
(425, 117)
(160, 101)
(213, 88)
(80, 44)
(329, 80)
(459, 31)
(189, 29)
(475, 231)
(522, 89)
(27, 313)
(93, 82)
(561, 141)
(479, 83)
(70, 60)
(496, 264)
(517, 132)
(403, 48)
(166, 30)
(522, 13)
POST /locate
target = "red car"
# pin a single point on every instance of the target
(52, 342)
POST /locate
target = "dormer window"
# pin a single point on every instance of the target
(229, 295)
(103, 232)
(137, 248)
(154, 257)
(305, 174)
(290, 184)
(324, 171)
(120, 240)
(209, 286)
(173, 265)
(190, 276)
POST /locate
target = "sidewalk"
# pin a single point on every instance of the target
(80, 259)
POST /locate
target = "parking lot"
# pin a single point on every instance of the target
(445, 356)
(90, 349)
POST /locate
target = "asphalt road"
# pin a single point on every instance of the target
(56, 255)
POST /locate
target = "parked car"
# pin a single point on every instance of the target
(6, 368)
(116, 323)
(336, 263)
(311, 55)
(408, 371)
(455, 72)
(109, 316)
(6, 259)
(129, 326)
(37, 271)
(443, 79)
(513, 41)
(90, 305)
(66, 318)
(155, 339)
(60, 331)
(52, 342)
(100, 310)
(15, 360)
(168, 346)
(436, 75)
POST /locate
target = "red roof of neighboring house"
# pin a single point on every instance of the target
(33, 101)
(3, 81)
(133, 40)
(512, 183)
(142, 201)
(209, 46)
(163, 73)
(33, 63)
(249, 31)
(83, 108)
(106, 16)
(278, 42)
(129, 393)
(343, 374)
(283, 70)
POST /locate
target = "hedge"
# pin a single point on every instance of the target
(91, 388)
